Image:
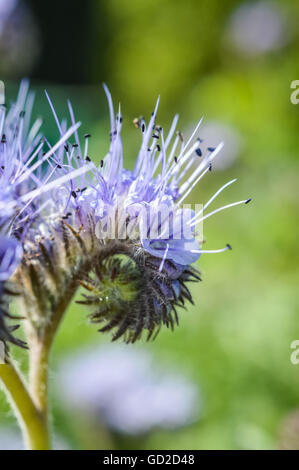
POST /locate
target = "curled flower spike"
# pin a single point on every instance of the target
(124, 236)
(137, 295)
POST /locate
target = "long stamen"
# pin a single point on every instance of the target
(54, 112)
(171, 131)
(193, 134)
(211, 200)
(110, 104)
(49, 153)
(35, 153)
(200, 167)
(72, 114)
(145, 141)
(181, 160)
(221, 250)
(190, 188)
(172, 152)
(56, 183)
(245, 201)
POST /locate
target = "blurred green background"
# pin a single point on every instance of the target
(232, 62)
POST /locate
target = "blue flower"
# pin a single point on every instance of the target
(74, 218)
(161, 177)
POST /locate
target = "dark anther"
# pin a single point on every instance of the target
(211, 149)
(228, 246)
(179, 133)
(158, 147)
(198, 152)
(248, 200)
(87, 158)
(86, 136)
(102, 163)
(74, 194)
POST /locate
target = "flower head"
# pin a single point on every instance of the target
(122, 235)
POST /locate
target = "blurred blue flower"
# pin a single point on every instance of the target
(127, 390)
(258, 27)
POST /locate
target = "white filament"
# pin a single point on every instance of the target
(221, 209)
(211, 200)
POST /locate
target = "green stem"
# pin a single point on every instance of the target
(31, 406)
(40, 349)
(38, 377)
(31, 421)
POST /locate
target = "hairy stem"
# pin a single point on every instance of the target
(30, 419)
(38, 375)
(40, 348)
